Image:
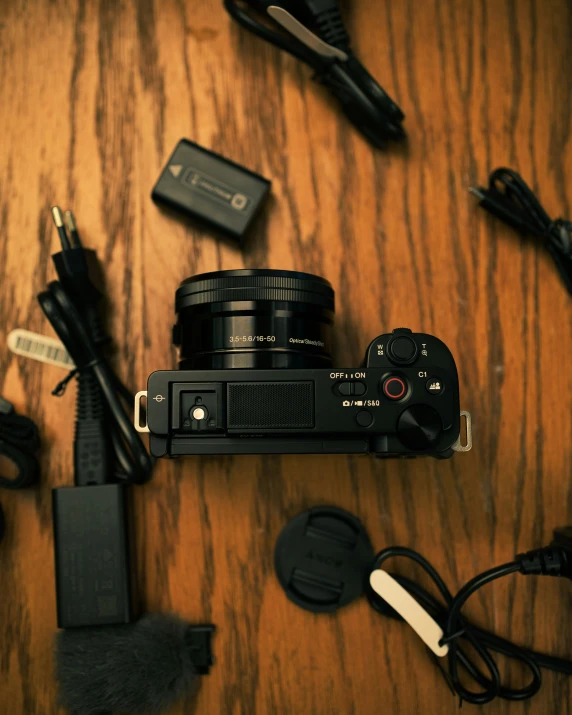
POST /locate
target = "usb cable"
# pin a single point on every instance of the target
(509, 198)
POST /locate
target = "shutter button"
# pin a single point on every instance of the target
(394, 388)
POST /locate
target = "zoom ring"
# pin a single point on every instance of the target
(252, 294)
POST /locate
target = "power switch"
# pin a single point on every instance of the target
(351, 388)
(359, 388)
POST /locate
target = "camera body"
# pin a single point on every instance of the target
(257, 378)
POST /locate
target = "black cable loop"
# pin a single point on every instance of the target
(19, 440)
(362, 99)
(509, 198)
(130, 454)
(456, 629)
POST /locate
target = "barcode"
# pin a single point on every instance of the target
(39, 347)
(33, 347)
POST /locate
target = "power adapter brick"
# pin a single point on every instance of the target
(93, 574)
(211, 189)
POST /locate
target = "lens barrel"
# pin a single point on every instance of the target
(254, 319)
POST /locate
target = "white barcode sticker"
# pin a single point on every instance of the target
(39, 347)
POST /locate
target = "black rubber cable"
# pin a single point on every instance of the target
(509, 198)
(456, 628)
(19, 439)
(363, 100)
(104, 427)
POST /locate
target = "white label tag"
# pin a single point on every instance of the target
(39, 347)
(403, 602)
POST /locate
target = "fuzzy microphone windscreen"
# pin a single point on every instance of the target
(142, 667)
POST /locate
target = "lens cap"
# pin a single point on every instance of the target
(322, 559)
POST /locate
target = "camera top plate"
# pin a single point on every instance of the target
(403, 402)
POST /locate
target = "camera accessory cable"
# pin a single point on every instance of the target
(509, 198)
(105, 443)
(441, 620)
(19, 439)
(314, 32)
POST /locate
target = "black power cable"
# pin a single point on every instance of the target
(554, 560)
(104, 429)
(509, 198)
(19, 439)
(362, 99)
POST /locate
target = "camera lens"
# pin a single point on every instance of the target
(254, 319)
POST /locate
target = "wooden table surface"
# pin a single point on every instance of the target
(93, 97)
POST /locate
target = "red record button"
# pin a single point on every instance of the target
(394, 388)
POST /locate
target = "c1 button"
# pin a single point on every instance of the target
(434, 386)
(364, 418)
(394, 388)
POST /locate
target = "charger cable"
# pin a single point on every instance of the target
(106, 442)
(509, 198)
(19, 439)
(315, 33)
(454, 628)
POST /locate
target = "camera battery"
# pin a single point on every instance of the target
(211, 189)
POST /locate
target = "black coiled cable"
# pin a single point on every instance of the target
(104, 428)
(19, 439)
(447, 613)
(363, 101)
(510, 198)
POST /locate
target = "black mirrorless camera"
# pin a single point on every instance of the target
(255, 377)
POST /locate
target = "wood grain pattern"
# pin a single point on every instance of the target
(94, 95)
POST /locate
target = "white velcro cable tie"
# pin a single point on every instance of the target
(403, 602)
